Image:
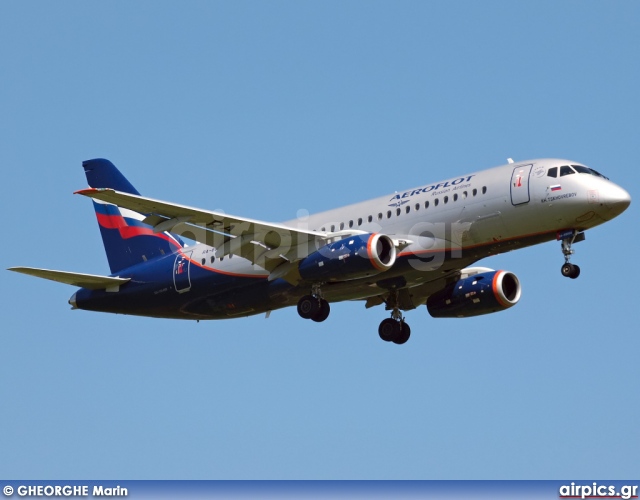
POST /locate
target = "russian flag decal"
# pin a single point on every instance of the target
(557, 187)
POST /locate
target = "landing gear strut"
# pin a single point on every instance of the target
(313, 306)
(568, 238)
(394, 329)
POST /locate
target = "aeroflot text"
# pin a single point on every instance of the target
(433, 187)
(71, 491)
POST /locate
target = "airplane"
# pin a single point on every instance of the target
(404, 250)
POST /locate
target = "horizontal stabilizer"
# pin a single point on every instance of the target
(91, 281)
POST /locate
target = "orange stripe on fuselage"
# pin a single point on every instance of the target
(219, 271)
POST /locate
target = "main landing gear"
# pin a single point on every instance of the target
(394, 329)
(313, 306)
(569, 270)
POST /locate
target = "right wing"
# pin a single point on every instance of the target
(90, 281)
(266, 244)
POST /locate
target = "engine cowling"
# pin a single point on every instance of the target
(479, 294)
(354, 257)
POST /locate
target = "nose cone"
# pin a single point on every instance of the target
(615, 199)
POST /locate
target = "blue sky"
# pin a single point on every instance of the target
(265, 108)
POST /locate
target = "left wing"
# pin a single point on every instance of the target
(263, 243)
(91, 281)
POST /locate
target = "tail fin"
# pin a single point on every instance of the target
(127, 240)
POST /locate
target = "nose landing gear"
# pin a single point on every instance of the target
(568, 238)
(569, 270)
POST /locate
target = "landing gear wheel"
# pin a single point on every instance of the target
(404, 334)
(570, 270)
(576, 271)
(323, 312)
(308, 307)
(389, 330)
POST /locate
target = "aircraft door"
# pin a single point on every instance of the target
(181, 272)
(520, 185)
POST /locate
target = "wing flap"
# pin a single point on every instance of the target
(91, 281)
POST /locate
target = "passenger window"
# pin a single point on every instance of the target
(213, 259)
(474, 192)
(484, 189)
(435, 202)
(455, 197)
(446, 200)
(380, 216)
(370, 218)
(417, 206)
(360, 221)
(566, 170)
(398, 211)
(408, 209)
(552, 172)
(464, 195)
(341, 226)
(388, 214)
(426, 204)
(322, 229)
(204, 261)
(350, 223)
(333, 228)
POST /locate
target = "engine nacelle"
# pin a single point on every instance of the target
(354, 257)
(481, 293)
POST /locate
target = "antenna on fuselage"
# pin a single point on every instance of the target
(510, 160)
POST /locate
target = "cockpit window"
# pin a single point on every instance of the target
(581, 170)
(566, 170)
(585, 170)
(552, 172)
(595, 172)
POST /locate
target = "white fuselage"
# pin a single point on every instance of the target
(466, 217)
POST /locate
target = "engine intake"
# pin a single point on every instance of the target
(354, 257)
(479, 294)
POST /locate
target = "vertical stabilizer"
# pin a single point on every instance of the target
(127, 240)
